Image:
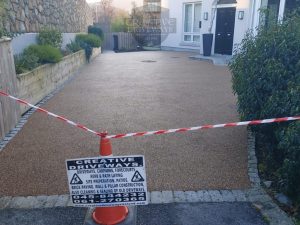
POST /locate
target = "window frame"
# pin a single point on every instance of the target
(192, 33)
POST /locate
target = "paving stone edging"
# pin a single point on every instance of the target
(257, 195)
(155, 197)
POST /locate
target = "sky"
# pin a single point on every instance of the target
(122, 4)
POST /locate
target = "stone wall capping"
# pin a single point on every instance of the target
(5, 39)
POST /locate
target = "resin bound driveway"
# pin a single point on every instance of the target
(128, 92)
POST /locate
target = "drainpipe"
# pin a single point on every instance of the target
(253, 7)
(255, 15)
(281, 10)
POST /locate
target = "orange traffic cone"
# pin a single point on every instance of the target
(109, 215)
(105, 147)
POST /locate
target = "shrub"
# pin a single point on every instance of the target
(87, 42)
(35, 55)
(266, 79)
(88, 50)
(52, 37)
(290, 172)
(25, 62)
(96, 30)
(73, 46)
(90, 39)
(45, 53)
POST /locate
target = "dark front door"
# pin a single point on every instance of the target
(225, 30)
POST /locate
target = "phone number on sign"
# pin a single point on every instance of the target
(109, 198)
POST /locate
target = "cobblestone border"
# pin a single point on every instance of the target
(155, 197)
(257, 195)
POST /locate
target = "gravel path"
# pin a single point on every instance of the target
(120, 93)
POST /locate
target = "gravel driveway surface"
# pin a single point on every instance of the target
(128, 92)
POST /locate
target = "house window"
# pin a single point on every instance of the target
(270, 10)
(192, 22)
(290, 6)
(153, 6)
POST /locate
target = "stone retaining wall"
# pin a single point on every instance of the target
(36, 84)
(71, 16)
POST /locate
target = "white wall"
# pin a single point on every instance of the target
(19, 43)
(176, 11)
(256, 5)
(22, 41)
(242, 26)
(67, 38)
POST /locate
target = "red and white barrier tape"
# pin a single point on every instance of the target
(52, 114)
(146, 133)
(253, 122)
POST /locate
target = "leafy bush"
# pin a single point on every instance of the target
(45, 53)
(73, 46)
(96, 30)
(88, 50)
(52, 37)
(25, 62)
(266, 79)
(87, 42)
(290, 172)
(90, 39)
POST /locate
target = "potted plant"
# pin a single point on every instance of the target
(208, 37)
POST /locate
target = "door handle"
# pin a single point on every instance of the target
(219, 34)
(228, 35)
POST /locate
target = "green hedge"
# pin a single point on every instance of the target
(90, 39)
(88, 42)
(266, 79)
(96, 30)
(289, 144)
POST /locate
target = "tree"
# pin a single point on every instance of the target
(105, 15)
(119, 23)
(136, 16)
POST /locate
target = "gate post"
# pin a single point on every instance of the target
(9, 110)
